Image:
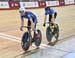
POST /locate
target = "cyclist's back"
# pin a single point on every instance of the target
(50, 12)
(30, 15)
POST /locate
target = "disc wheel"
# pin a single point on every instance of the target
(38, 39)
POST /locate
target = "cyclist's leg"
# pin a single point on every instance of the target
(33, 34)
(34, 19)
(55, 15)
(35, 24)
(50, 17)
(34, 28)
(53, 24)
(29, 23)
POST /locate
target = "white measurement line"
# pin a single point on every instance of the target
(16, 39)
(9, 37)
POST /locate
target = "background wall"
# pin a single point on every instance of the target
(36, 4)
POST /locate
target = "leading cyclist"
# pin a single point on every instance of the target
(32, 19)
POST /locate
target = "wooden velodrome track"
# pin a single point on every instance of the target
(10, 23)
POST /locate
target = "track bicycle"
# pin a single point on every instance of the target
(27, 39)
(52, 31)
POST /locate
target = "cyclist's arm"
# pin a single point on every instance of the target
(22, 21)
(45, 19)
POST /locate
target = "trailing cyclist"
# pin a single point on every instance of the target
(52, 15)
(53, 27)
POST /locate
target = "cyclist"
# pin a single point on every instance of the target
(32, 19)
(52, 15)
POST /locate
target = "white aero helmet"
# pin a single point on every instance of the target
(22, 10)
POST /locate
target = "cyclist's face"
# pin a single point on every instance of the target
(21, 13)
(47, 11)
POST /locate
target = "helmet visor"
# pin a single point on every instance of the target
(21, 11)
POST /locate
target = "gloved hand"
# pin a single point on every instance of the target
(44, 24)
(21, 28)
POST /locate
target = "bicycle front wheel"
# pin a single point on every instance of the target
(25, 42)
(49, 34)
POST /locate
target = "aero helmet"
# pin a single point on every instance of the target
(47, 8)
(22, 10)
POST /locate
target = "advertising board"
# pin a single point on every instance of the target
(52, 3)
(4, 5)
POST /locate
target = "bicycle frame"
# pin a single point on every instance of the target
(51, 26)
(29, 31)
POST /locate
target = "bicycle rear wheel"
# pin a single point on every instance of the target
(38, 39)
(56, 31)
(25, 42)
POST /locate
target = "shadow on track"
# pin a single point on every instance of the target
(27, 53)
